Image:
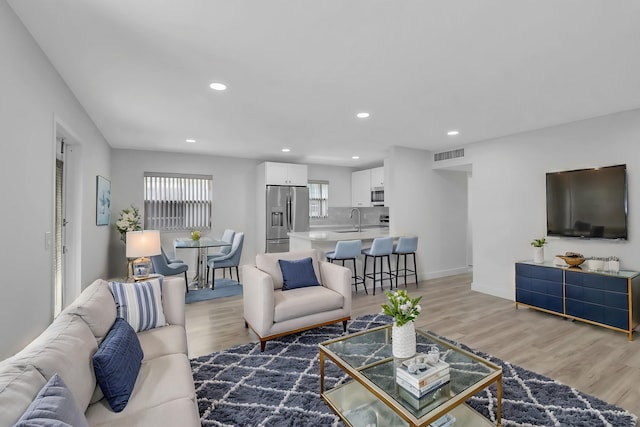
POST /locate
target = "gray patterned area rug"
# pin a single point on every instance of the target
(243, 387)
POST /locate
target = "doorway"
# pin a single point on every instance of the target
(67, 214)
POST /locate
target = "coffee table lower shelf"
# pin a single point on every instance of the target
(357, 406)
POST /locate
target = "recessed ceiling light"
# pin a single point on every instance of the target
(355, 157)
(453, 132)
(286, 150)
(362, 115)
(190, 140)
(218, 86)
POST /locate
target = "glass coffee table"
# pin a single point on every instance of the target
(372, 397)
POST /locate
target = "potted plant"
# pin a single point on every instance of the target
(538, 249)
(404, 311)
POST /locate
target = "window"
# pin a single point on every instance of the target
(174, 202)
(318, 199)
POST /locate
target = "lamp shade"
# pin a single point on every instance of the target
(143, 243)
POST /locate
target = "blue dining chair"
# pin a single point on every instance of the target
(230, 260)
(161, 266)
(227, 236)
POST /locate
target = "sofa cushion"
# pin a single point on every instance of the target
(158, 342)
(97, 307)
(19, 385)
(54, 406)
(65, 348)
(117, 363)
(179, 412)
(305, 301)
(298, 273)
(139, 303)
(270, 265)
(160, 381)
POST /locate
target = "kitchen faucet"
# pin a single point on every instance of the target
(359, 217)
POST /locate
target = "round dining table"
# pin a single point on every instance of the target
(202, 245)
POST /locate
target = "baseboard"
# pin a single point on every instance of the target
(445, 273)
(492, 290)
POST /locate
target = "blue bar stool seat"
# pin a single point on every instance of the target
(381, 248)
(348, 250)
(406, 246)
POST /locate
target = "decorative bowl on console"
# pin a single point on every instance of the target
(572, 258)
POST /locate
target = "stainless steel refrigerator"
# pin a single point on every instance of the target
(287, 210)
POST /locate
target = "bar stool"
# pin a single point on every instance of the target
(406, 246)
(381, 248)
(348, 250)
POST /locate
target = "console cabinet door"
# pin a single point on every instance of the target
(539, 287)
(599, 298)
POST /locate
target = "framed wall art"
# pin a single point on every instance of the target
(103, 200)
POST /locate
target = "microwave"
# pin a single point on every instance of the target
(377, 197)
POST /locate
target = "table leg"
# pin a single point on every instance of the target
(321, 372)
(202, 268)
(499, 406)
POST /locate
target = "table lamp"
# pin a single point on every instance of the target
(141, 245)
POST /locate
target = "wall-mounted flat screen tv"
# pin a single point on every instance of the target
(588, 203)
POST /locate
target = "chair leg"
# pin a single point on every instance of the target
(390, 273)
(186, 282)
(415, 267)
(374, 275)
(237, 274)
(262, 345)
(397, 267)
(344, 326)
(404, 257)
(355, 278)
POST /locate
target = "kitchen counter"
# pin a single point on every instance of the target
(325, 240)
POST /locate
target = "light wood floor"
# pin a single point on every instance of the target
(595, 360)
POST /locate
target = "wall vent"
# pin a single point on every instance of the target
(447, 155)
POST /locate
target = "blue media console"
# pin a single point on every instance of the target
(598, 297)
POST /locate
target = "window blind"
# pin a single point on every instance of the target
(174, 202)
(318, 199)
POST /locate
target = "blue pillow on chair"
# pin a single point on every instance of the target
(298, 274)
(117, 363)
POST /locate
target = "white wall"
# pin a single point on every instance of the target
(339, 183)
(431, 204)
(234, 195)
(32, 94)
(509, 194)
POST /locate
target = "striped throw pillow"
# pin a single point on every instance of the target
(140, 304)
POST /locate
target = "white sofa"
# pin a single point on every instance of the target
(271, 312)
(163, 394)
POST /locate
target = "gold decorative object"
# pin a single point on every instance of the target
(574, 259)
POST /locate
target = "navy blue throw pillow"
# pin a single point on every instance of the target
(117, 363)
(297, 273)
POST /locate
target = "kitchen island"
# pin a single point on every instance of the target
(325, 240)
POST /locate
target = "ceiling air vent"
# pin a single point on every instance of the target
(447, 155)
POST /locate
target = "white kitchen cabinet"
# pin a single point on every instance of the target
(285, 174)
(377, 178)
(361, 188)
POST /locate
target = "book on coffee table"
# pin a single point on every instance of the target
(421, 392)
(419, 374)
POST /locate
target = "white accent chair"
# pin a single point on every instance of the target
(271, 312)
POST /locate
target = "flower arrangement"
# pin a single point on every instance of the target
(402, 308)
(130, 220)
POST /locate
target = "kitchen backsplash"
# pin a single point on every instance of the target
(340, 216)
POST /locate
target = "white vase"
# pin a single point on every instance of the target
(538, 255)
(403, 340)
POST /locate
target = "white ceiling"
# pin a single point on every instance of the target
(298, 71)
